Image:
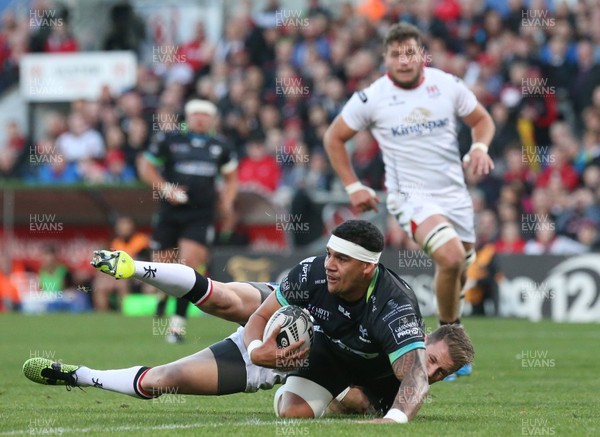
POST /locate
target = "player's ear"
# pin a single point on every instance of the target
(369, 268)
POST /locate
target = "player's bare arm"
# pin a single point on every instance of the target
(267, 353)
(149, 173)
(229, 191)
(334, 141)
(482, 133)
(411, 369)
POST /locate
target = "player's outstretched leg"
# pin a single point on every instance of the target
(174, 279)
(233, 301)
(125, 381)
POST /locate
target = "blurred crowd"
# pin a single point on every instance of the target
(280, 77)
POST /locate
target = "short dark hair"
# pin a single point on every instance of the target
(459, 344)
(361, 232)
(401, 32)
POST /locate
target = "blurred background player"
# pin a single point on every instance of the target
(411, 112)
(130, 240)
(183, 168)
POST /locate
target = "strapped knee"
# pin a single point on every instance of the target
(438, 236)
(316, 396)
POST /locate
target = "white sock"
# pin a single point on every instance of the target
(174, 279)
(121, 380)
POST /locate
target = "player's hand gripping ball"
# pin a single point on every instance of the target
(296, 324)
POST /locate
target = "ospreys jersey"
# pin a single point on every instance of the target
(386, 321)
(192, 161)
(416, 131)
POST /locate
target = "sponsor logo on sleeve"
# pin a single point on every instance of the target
(405, 328)
(362, 96)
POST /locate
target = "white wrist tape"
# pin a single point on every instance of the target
(357, 186)
(253, 345)
(474, 146)
(396, 415)
(481, 146)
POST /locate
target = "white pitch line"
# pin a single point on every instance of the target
(58, 430)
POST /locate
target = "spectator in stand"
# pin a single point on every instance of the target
(198, 52)
(54, 169)
(127, 30)
(91, 171)
(588, 235)
(334, 98)
(486, 228)
(135, 243)
(259, 169)
(9, 293)
(295, 162)
(114, 138)
(559, 168)
(54, 276)
(313, 43)
(516, 169)
(367, 160)
(61, 40)
(590, 151)
(130, 106)
(137, 140)
(591, 178)
(55, 124)
(117, 169)
(506, 131)
(508, 212)
(586, 79)
(558, 64)
(581, 210)
(13, 152)
(268, 118)
(80, 142)
(510, 240)
(547, 242)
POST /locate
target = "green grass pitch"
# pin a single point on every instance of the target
(529, 379)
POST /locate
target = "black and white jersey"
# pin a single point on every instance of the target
(387, 320)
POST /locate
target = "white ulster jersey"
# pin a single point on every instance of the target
(416, 131)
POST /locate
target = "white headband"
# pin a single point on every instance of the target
(353, 250)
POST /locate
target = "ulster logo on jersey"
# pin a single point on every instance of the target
(417, 115)
(432, 91)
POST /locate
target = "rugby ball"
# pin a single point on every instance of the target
(296, 324)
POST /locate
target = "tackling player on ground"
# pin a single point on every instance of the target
(411, 111)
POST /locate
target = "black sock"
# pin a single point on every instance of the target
(198, 291)
(181, 308)
(162, 304)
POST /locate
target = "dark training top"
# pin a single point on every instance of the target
(192, 161)
(387, 320)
